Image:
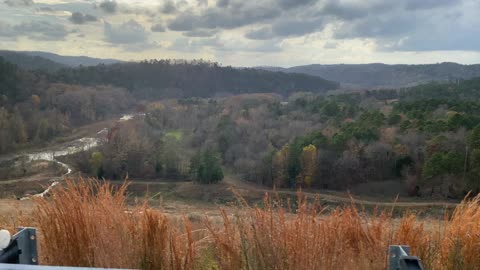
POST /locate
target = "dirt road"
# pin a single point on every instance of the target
(334, 198)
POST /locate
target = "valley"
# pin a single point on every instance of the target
(172, 195)
(240, 134)
(230, 154)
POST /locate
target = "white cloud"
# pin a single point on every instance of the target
(247, 32)
(129, 32)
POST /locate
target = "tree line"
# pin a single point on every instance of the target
(155, 79)
(34, 111)
(425, 138)
(314, 141)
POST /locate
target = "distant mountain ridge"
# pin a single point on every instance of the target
(30, 62)
(49, 61)
(350, 76)
(165, 78)
(378, 75)
(74, 61)
(155, 79)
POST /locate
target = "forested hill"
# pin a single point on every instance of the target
(178, 79)
(30, 62)
(50, 61)
(34, 111)
(73, 61)
(386, 76)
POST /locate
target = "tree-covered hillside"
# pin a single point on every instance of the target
(423, 141)
(270, 128)
(30, 62)
(50, 61)
(367, 76)
(34, 111)
(181, 79)
(42, 102)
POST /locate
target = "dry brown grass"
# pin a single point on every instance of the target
(270, 238)
(85, 223)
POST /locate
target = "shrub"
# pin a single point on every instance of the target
(88, 223)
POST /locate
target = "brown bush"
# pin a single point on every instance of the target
(87, 223)
(271, 238)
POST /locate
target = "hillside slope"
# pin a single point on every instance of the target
(386, 76)
(74, 61)
(180, 79)
(50, 61)
(30, 62)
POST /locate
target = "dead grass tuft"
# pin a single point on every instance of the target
(87, 223)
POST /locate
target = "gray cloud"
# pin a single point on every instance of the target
(223, 3)
(428, 4)
(427, 25)
(45, 9)
(261, 25)
(330, 45)
(6, 30)
(287, 28)
(139, 47)
(202, 3)
(378, 27)
(138, 11)
(183, 22)
(195, 45)
(295, 3)
(264, 46)
(85, 7)
(263, 33)
(80, 18)
(109, 6)
(41, 30)
(16, 3)
(126, 33)
(343, 11)
(192, 45)
(158, 27)
(447, 37)
(234, 15)
(297, 27)
(353, 19)
(200, 33)
(168, 7)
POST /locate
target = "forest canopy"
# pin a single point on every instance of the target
(200, 120)
(182, 79)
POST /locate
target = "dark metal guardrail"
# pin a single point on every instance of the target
(399, 259)
(22, 248)
(20, 253)
(44, 267)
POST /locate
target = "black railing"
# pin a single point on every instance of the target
(20, 252)
(399, 259)
(22, 248)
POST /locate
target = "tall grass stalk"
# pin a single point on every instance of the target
(88, 223)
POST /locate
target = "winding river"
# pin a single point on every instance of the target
(73, 147)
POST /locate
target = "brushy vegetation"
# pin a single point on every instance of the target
(395, 141)
(88, 223)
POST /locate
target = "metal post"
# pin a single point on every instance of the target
(399, 259)
(22, 248)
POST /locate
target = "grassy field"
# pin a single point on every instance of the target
(177, 135)
(87, 223)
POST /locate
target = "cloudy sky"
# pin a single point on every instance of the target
(248, 32)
